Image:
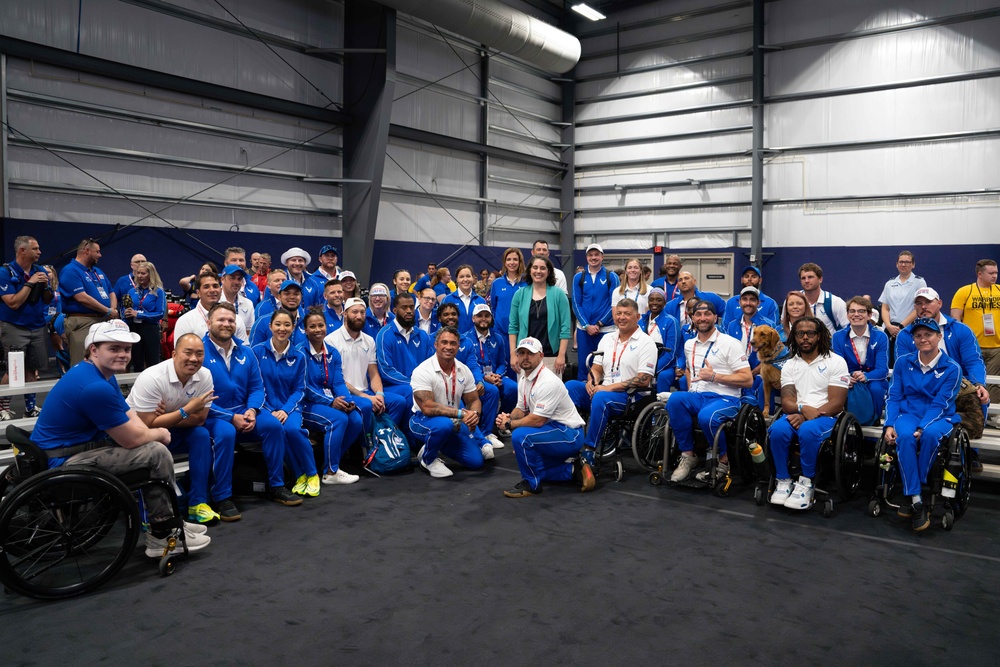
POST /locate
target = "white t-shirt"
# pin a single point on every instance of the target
(196, 321)
(160, 384)
(356, 353)
(624, 360)
(543, 393)
(428, 376)
(813, 380)
(244, 309)
(561, 281)
(725, 355)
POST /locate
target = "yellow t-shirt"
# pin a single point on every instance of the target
(976, 302)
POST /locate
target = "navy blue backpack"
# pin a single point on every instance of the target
(386, 448)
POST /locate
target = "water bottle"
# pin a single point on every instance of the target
(759, 460)
(952, 474)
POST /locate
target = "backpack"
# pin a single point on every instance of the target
(386, 449)
(861, 405)
(828, 309)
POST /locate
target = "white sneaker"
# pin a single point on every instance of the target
(195, 542)
(495, 441)
(196, 528)
(6, 416)
(436, 468)
(487, 451)
(782, 490)
(721, 470)
(801, 497)
(687, 463)
(340, 477)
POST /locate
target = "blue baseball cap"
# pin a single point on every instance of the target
(232, 269)
(289, 284)
(328, 248)
(926, 323)
(751, 268)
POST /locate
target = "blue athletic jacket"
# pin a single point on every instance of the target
(876, 366)
(960, 344)
(372, 326)
(670, 332)
(284, 379)
(465, 324)
(396, 357)
(592, 297)
(262, 329)
(320, 375)
(501, 295)
(237, 388)
(673, 306)
(767, 307)
(493, 352)
(929, 395)
(735, 329)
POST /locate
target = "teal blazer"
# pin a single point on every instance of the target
(557, 307)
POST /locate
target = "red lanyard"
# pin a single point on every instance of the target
(532, 388)
(482, 352)
(326, 370)
(856, 355)
(615, 357)
(453, 400)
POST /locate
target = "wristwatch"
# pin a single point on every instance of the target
(509, 425)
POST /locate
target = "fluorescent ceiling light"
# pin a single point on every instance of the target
(588, 11)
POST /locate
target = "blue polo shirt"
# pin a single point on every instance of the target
(80, 408)
(74, 279)
(28, 316)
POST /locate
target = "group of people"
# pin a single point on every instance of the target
(270, 355)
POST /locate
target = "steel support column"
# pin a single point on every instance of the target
(484, 139)
(369, 85)
(4, 174)
(567, 234)
(757, 171)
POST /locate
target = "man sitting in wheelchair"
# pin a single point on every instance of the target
(86, 421)
(625, 359)
(814, 384)
(921, 411)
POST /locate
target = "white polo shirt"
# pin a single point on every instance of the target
(624, 360)
(837, 307)
(196, 321)
(160, 384)
(244, 309)
(726, 355)
(428, 376)
(812, 381)
(543, 393)
(356, 353)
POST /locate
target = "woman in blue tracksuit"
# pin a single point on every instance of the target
(869, 363)
(144, 305)
(920, 412)
(664, 329)
(283, 370)
(502, 289)
(465, 298)
(328, 407)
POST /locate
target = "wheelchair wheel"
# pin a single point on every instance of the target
(749, 426)
(961, 438)
(847, 455)
(649, 435)
(874, 507)
(64, 532)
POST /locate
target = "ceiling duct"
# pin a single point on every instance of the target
(500, 27)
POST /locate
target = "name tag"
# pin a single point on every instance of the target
(615, 376)
(100, 290)
(327, 392)
(989, 328)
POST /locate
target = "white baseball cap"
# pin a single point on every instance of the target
(928, 293)
(115, 331)
(354, 301)
(344, 275)
(595, 246)
(481, 308)
(531, 344)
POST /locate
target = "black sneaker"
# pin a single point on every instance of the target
(227, 510)
(522, 490)
(904, 511)
(583, 475)
(283, 496)
(920, 517)
(975, 465)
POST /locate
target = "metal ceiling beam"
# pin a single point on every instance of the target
(607, 120)
(659, 90)
(669, 19)
(894, 85)
(757, 153)
(629, 164)
(673, 41)
(687, 183)
(465, 146)
(738, 129)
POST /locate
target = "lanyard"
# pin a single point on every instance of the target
(856, 355)
(326, 369)
(532, 387)
(749, 329)
(482, 352)
(453, 399)
(615, 357)
(694, 352)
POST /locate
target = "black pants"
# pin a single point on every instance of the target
(146, 352)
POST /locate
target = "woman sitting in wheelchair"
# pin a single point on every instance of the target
(920, 412)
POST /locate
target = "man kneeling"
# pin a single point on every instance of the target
(814, 385)
(547, 430)
(86, 404)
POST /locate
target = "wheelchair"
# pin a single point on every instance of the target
(66, 531)
(842, 452)
(949, 479)
(748, 427)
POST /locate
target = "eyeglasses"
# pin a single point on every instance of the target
(855, 311)
(904, 261)
(812, 333)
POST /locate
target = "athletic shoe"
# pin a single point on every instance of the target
(782, 490)
(921, 519)
(583, 475)
(202, 513)
(487, 451)
(905, 510)
(721, 470)
(33, 413)
(158, 546)
(340, 477)
(282, 496)
(522, 490)
(495, 441)
(6, 416)
(504, 432)
(436, 468)
(299, 488)
(684, 467)
(802, 494)
(228, 511)
(196, 528)
(312, 486)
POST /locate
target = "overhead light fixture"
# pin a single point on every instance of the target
(586, 10)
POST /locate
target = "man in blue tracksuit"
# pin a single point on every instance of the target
(687, 288)
(401, 347)
(921, 411)
(592, 305)
(741, 328)
(664, 330)
(768, 307)
(289, 298)
(238, 410)
(492, 352)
